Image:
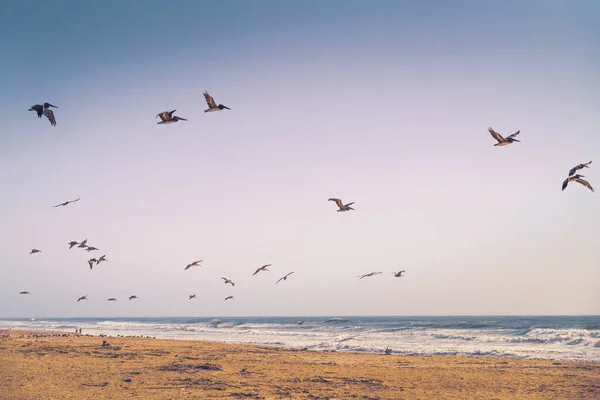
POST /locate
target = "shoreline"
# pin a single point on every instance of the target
(68, 366)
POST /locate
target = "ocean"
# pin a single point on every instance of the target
(575, 338)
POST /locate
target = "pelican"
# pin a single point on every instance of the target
(368, 275)
(83, 244)
(133, 297)
(576, 178)
(91, 248)
(228, 297)
(112, 299)
(33, 251)
(398, 274)
(66, 203)
(24, 293)
(91, 261)
(212, 106)
(577, 168)
(284, 278)
(263, 268)
(82, 298)
(342, 207)
(168, 118)
(72, 243)
(102, 258)
(45, 109)
(502, 141)
(192, 296)
(228, 281)
(193, 264)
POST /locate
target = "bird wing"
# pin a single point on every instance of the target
(348, 205)
(61, 204)
(337, 201)
(257, 271)
(164, 116)
(513, 135)
(73, 201)
(50, 115)
(38, 108)
(496, 135)
(290, 274)
(565, 183)
(573, 170)
(585, 183)
(209, 100)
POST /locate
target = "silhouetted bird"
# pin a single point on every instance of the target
(133, 297)
(82, 298)
(263, 268)
(91, 248)
(502, 141)
(577, 178)
(193, 264)
(33, 251)
(577, 168)
(24, 293)
(284, 278)
(83, 244)
(112, 299)
(45, 110)
(102, 258)
(368, 275)
(228, 297)
(91, 262)
(66, 203)
(168, 118)
(398, 274)
(212, 106)
(192, 296)
(72, 243)
(342, 207)
(228, 281)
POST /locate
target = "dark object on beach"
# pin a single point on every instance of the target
(45, 110)
(105, 343)
(388, 351)
(127, 380)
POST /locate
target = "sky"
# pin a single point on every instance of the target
(385, 104)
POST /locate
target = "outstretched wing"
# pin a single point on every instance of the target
(337, 201)
(290, 274)
(166, 115)
(209, 100)
(513, 135)
(39, 109)
(50, 115)
(496, 135)
(565, 183)
(585, 183)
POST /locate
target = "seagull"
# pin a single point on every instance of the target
(91, 261)
(72, 243)
(502, 141)
(168, 118)
(212, 106)
(82, 298)
(398, 274)
(299, 322)
(368, 275)
(45, 109)
(192, 296)
(342, 207)
(576, 178)
(193, 264)
(577, 168)
(228, 297)
(133, 297)
(102, 258)
(35, 251)
(91, 248)
(66, 203)
(83, 244)
(263, 268)
(112, 299)
(24, 293)
(284, 278)
(228, 281)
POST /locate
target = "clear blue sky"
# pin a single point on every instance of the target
(383, 103)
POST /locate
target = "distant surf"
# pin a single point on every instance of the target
(575, 338)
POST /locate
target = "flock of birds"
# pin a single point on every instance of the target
(167, 117)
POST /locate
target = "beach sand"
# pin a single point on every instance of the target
(35, 365)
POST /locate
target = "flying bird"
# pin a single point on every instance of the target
(24, 293)
(72, 243)
(83, 244)
(502, 141)
(299, 322)
(168, 118)
(102, 258)
(192, 296)
(577, 168)
(398, 274)
(342, 207)
(368, 275)
(577, 178)
(82, 298)
(193, 264)
(45, 110)
(133, 297)
(33, 251)
(228, 281)
(285, 277)
(112, 299)
(263, 268)
(228, 297)
(212, 106)
(91, 248)
(91, 261)
(66, 203)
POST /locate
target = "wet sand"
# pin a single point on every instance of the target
(35, 365)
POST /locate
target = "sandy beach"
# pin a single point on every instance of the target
(39, 365)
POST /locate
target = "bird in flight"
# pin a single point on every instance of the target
(368, 275)
(577, 178)
(342, 207)
(83, 244)
(193, 264)
(66, 203)
(578, 167)
(91, 248)
(112, 299)
(91, 262)
(102, 258)
(33, 251)
(192, 296)
(45, 110)
(72, 243)
(82, 298)
(228, 297)
(133, 297)
(284, 278)
(24, 293)
(398, 274)
(502, 141)
(212, 106)
(168, 118)
(228, 281)
(263, 268)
